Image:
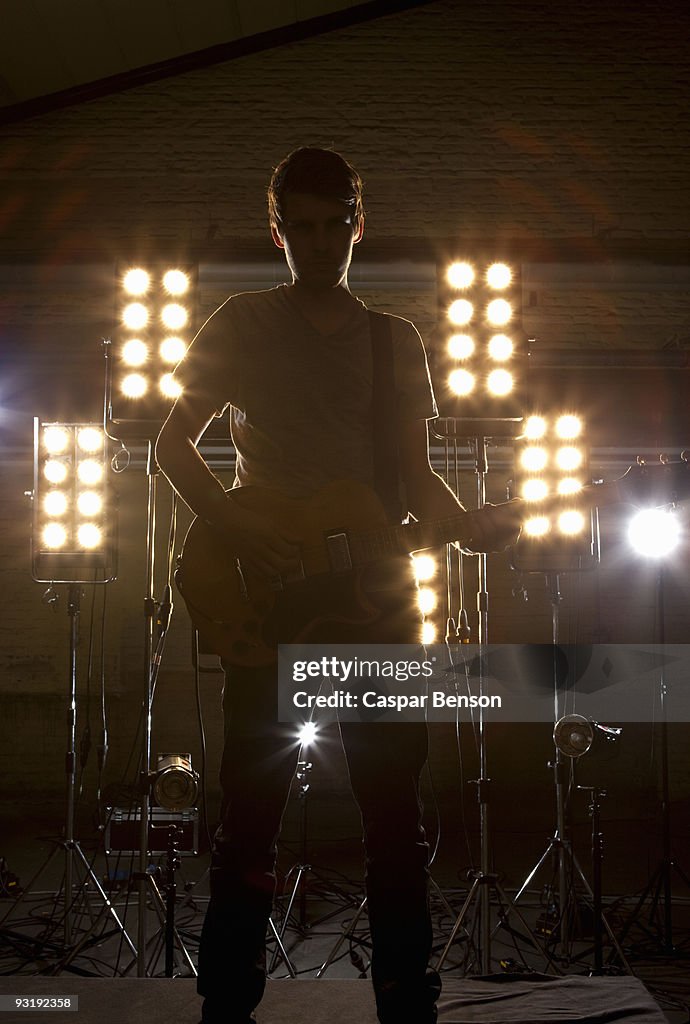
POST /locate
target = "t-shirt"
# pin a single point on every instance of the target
(300, 401)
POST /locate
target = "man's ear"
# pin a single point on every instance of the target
(359, 230)
(276, 236)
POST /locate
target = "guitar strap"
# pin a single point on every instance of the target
(387, 481)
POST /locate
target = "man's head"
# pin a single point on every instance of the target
(317, 172)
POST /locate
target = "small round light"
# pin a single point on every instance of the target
(424, 567)
(426, 600)
(538, 526)
(170, 387)
(174, 316)
(534, 490)
(499, 383)
(136, 281)
(90, 472)
(499, 312)
(568, 427)
(568, 459)
(134, 385)
(460, 275)
(90, 504)
(175, 282)
(134, 352)
(569, 485)
(571, 522)
(55, 440)
(55, 471)
(90, 439)
(89, 536)
(173, 349)
(55, 503)
(307, 734)
(428, 633)
(500, 347)
(461, 382)
(535, 427)
(460, 312)
(534, 459)
(54, 536)
(460, 346)
(135, 316)
(499, 275)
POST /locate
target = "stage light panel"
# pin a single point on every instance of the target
(136, 281)
(155, 330)
(477, 299)
(73, 524)
(562, 536)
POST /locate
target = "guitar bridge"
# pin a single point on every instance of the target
(339, 556)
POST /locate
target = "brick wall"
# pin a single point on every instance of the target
(535, 120)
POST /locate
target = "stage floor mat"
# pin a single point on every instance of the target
(500, 999)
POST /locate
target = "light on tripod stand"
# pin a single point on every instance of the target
(73, 524)
(155, 313)
(478, 365)
(654, 532)
(176, 785)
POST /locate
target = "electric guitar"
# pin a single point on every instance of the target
(343, 529)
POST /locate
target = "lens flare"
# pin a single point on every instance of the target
(500, 347)
(55, 471)
(174, 316)
(175, 282)
(499, 312)
(460, 346)
(571, 522)
(535, 427)
(499, 382)
(134, 352)
(534, 459)
(169, 386)
(534, 490)
(134, 385)
(568, 427)
(499, 275)
(538, 526)
(54, 536)
(135, 316)
(55, 503)
(90, 472)
(460, 312)
(90, 439)
(136, 281)
(424, 567)
(55, 440)
(173, 350)
(460, 275)
(461, 382)
(89, 536)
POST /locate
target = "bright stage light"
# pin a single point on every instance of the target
(534, 459)
(73, 529)
(500, 347)
(460, 346)
(568, 485)
(136, 281)
(654, 533)
(499, 312)
(461, 382)
(134, 352)
(571, 522)
(424, 567)
(465, 294)
(537, 526)
(135, 316)
(460, 312)
(568, 459)
(429, 633)
(152, 339)
(534, 489)
(499, 382)
(460, 275)
(55, 440)
(498, 276)
(535, 428)
(173, 350)
(426, 600)
(568, 427)
(307, 734)
(169, 386)
(176, 282)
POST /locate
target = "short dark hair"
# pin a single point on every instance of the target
(319, 172)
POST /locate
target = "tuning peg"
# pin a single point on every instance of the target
(640, 461)
(684, 455)
(663, 459)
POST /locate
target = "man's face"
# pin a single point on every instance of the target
(318, 235)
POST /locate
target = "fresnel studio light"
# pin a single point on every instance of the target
(155, 324)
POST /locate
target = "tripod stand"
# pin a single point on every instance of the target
(659, 885)
(560, 845)
(74, 857)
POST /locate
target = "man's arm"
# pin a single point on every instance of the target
(429, 497)
(252, 537)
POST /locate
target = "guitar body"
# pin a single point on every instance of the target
(243, 616)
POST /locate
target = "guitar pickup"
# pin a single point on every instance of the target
(285, 578)
(339, 556)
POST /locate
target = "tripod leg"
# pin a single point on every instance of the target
(474, 889)
(341, 939)
(283, 952)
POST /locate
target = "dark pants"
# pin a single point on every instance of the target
(259, 762)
